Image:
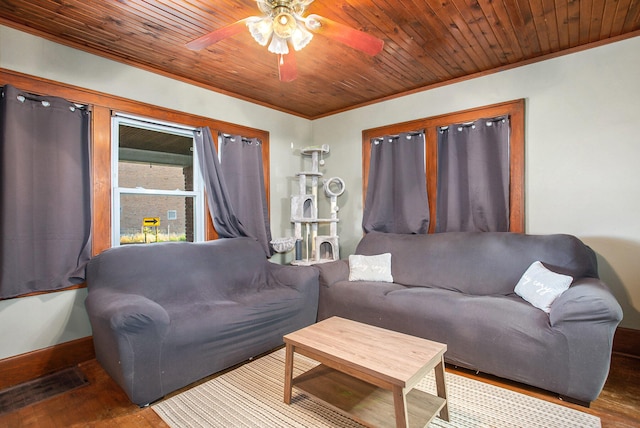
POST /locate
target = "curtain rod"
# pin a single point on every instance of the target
(467, 124)
(394, 136)
(244, 139)
(22, 96)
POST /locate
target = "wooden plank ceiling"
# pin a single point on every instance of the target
(427, 42)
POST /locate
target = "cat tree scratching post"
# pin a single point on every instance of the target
(311, 247)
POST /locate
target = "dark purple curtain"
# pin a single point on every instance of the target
(45, 193)
(396, 200)
(241, 162)
(473, 176)
(232, 215)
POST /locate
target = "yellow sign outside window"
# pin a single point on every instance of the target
(151, 221)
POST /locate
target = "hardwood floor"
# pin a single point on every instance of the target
(103, 404)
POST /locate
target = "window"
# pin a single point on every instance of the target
(157, 190)
(102, 106)
(513, 109)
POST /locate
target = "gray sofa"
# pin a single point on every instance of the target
(165, 315)
(458, 288)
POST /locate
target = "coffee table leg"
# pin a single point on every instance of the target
(400, 405)
(441, 387)
(288, 373)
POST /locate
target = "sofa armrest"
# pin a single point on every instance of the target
(127, 313)
(298, 277)
(304, 280)
(587, 315)
(588, 299)
(333, 272)
(128, 335)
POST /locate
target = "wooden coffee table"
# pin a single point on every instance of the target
(368, 373)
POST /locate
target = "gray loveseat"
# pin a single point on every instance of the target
(165, 315)
(458, 288)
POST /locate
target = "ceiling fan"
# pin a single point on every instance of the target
(284, 26)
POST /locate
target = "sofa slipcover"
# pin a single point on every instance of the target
(458, 288)
(165, 315)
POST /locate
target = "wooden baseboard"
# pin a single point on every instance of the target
(21, 368)
(627, 341)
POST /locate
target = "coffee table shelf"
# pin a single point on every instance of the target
(364, 402)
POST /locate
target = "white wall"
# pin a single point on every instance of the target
(37, 322)
(582, 151)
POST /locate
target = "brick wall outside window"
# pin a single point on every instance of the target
(134, 208)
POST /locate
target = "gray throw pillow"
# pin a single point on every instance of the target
(540, 286)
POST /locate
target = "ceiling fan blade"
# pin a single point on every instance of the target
(344, 34)
(217, 35)
(287, 68)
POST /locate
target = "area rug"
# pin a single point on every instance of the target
(252, 396)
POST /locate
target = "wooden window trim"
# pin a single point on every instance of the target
(102, 107)
(515, 109)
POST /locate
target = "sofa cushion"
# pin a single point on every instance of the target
(370, 268)
(541, 286)
(477, 263)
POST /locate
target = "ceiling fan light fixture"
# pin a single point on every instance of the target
(311, 23)
(300, 37)
(265, 6)
(261, 29)
(284, 24)
(278, 45)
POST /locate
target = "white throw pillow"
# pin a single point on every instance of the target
(540, 286)
(370, 268)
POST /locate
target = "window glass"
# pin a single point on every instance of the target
(157, 190)
(153, 159)
(155, 218)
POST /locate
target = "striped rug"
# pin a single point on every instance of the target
(251, 396)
